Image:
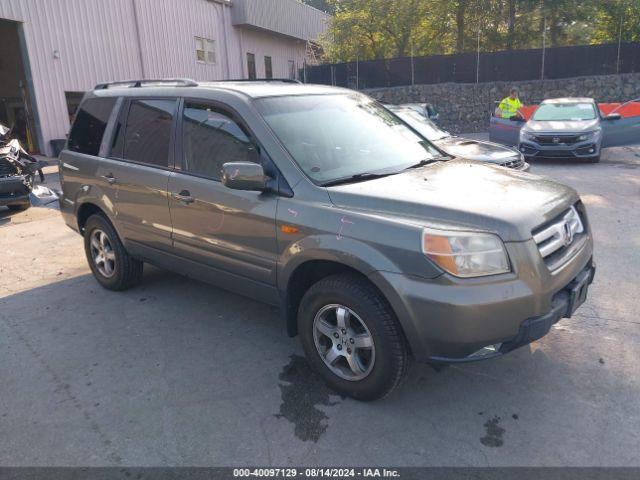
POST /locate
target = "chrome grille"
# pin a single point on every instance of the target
(555, 239)
(515, 163)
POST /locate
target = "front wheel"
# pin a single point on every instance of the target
(352, 338)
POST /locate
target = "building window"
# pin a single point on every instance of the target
(268, 70)
(205, 50)
(292, 70)
(251, 66)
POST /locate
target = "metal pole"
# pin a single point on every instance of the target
(544, 34)
(358, 69)
(478, 59)
(619, 42)
(413, 73)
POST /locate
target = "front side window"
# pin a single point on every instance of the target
(147, 135)
(251, 66)
(205, 50)
(565, 112)
(334, 137)
(268, 69)
(210, 139)
(90, 124)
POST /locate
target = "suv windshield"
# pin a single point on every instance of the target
(422, 124)
(565, 112)
(334, 137)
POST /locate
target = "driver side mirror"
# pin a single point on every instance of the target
(613, 116)
(246, 176)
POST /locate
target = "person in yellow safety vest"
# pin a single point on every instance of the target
(509, 107)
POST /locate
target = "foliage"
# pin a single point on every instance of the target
(368, 29)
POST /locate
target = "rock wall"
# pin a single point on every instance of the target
(466, 107)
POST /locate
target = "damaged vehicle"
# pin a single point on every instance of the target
(18, 170)
(455, 146)
(376, 247)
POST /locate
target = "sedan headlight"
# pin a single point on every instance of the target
(524, 135)
(466, 254)
(589, 136)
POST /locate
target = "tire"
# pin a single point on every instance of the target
(118, 270)
(19, 208)
(381, 367)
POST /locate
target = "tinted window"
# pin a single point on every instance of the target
(210, 139)
(148, 133)
(90, 124)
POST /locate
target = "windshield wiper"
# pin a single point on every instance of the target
(427, 161)
(358, 177)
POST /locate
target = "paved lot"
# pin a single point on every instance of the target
(176, 372)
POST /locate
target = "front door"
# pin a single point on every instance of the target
(139, 168)
(504, 130)
(229, 230)
(625, 130)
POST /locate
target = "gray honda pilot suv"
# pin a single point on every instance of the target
(376, 247)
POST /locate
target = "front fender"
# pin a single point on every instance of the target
(350, 252)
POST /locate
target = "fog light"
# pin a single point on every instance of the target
(591, 150)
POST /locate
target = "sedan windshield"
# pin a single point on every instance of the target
(422, 124)
(565, 112)
(334, 137)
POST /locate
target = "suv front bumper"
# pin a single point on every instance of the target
(460, 320)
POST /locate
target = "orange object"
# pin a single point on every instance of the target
(439, 250)
(631, 109)
(288, 229)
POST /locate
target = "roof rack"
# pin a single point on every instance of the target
(179, 82)
(283, 80)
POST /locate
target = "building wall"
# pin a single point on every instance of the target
(74, 44)
(280, 49)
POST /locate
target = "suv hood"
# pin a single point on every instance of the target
(461, 194)
(555, 126)
(476, 150)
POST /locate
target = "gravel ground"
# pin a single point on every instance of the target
(175, 372)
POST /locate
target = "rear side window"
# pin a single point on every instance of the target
(211, 138)
(147, 136)
(90, 124)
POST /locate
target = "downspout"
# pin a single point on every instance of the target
(226, 40)
(135, 20)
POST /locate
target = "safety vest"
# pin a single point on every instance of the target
(509, 107)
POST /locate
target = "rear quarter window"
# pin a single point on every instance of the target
(90, 125)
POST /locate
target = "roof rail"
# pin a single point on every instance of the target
(283, 80)
(179, 82)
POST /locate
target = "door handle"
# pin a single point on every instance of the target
(109, 178)
(184, 196)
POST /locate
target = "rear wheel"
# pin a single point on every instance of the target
(352, 338)
(110, 263)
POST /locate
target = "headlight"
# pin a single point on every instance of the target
(466, 254)
(524, 135)
(589, 136)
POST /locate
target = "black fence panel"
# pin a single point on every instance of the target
(514, 65)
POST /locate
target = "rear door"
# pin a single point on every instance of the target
(625, 130)
(231, 230)
(504, 131)
(139, 167)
